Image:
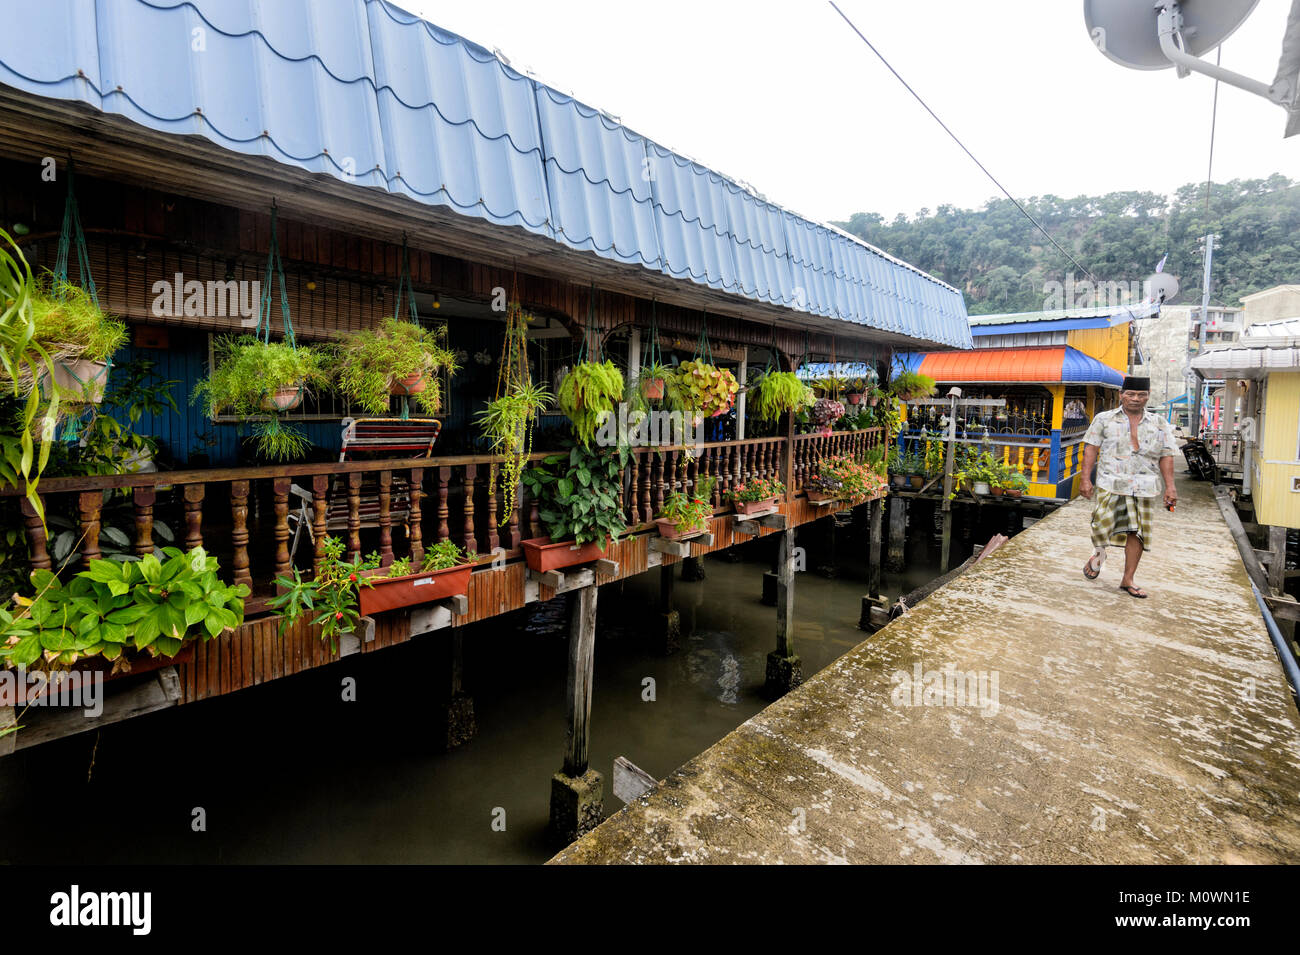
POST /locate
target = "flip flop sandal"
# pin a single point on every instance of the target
(1089, 567)
(1133, 592)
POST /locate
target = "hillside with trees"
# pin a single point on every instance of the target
(1001, 262)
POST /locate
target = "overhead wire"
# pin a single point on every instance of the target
(964, 149)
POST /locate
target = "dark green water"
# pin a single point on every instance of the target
(290, 773)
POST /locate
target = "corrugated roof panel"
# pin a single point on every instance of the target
(691, 219)
(1011, 365)
(600, 201)
(370, 94)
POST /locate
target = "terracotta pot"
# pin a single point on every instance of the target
(654, 388)
(753, 507)
(411, 385)
(820, 496)
(283, 399)
(1014, 493)
(855, 398)
(80, 380)
(918, 481)
(873, 401)
(668, 530)
(541, 554)
(901, 480)
(997, 491)
(390, 593)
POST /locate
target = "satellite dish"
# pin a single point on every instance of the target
(1158, 34)
(1160, 287)
(1127, 31)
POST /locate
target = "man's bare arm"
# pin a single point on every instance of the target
(1085, 473)
(1167, 470)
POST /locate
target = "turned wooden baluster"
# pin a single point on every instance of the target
(239, 532)
(534, 519)
(646, 480)
(35, 535)
(414, 528)
(514, 528)
(443, 509)
(354, 514)
(194, 515)
(468, 541)
(89, 504)
(633, 509)
(320, 489)
(385, 518)
(283, 565)
(494, 538)
(143, 498)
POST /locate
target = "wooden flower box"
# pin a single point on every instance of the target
(542, 555)
(392, 593)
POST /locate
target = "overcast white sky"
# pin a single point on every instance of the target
(785, 97)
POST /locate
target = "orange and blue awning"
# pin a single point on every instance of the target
(1056, 365)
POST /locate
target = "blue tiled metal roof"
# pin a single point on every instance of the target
(364, 91)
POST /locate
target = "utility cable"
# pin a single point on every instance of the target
(955, 139)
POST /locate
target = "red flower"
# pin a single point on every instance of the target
(352, 576)
(339, 615)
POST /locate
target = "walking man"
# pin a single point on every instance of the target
(1133, 450)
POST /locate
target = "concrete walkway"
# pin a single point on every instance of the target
(1118, 730)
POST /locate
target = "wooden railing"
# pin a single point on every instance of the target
(248, 517)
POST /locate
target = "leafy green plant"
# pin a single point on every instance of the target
(445, 555)
(331, 596)
(399, 567)
(910, 384)
(113, 607)
(374, 364)
(580, 492)
(846, 478)
(690, 511)
(706, 389)
(588, 393)
(1013, 480)
(657, 385)
(777, 392)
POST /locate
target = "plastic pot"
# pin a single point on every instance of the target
(410, 385)
(283, 399)
(392, 593)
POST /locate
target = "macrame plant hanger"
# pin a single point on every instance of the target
(275, 271)
(703, 353)
(69, 236)
(405, 286)
(590, 333)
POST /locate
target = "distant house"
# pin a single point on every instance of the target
(1054, 370)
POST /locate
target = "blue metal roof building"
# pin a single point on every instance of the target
(369, 94)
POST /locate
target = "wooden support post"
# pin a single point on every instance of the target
(1277, 555)
(461, 725)
(693, 569)
(876, 546)
(577, 790)
(784, 669)
(897, 532)
(668, 628)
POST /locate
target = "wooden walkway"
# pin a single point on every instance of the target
(1118, 730)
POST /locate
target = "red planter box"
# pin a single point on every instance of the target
(820, 496)
(668, 530)
(753, 507)
(542, 555)
(391, 593)
(143, 663)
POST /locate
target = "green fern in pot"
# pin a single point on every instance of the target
(397, 358)
(777, 392)
(588, 393)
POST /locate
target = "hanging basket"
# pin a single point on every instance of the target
(410, 385)
(283, 399)
(654, 388)
(81, 380)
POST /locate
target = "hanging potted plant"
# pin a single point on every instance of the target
(707, 391)
(588, 393)
(825, 412)
(398, 357)
(687, 515)
(79, 337)
(251, 377)
(873, 395)
(580, 502)
(777, 392)
(909, 384)
(444, 572)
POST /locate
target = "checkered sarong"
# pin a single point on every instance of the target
(1115, 515)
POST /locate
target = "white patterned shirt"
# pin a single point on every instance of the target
(1120, 469)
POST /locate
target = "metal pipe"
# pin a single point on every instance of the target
(1280, 646)
(1171, 23)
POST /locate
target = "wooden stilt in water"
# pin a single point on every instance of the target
(784, 669)
(461, 725)
(897, 532)
(874, 612)
(669, 629)
(1277, 557)
(693, 569)
(577, 790)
